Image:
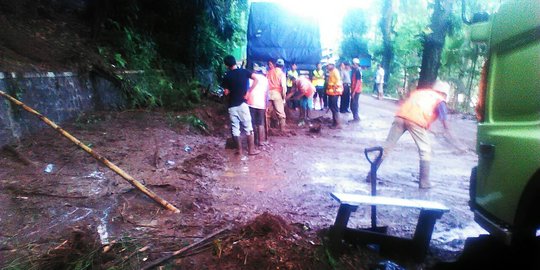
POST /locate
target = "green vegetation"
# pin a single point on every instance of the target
(354, 29)
(191, 120)
(459, 61)
(175, 48)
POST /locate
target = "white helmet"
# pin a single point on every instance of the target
(441, 86)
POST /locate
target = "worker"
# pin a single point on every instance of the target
(277, 90)
(257, 101)
(345, 71)
(356, 89)
(415, 115)
(379, 81)
(317, 79)
(292, 75)
(235, 84)
(303, 91)
(334, 89)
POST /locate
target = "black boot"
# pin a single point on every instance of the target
(238, 145)
(251, 145)
(424, 175)
(261, 135)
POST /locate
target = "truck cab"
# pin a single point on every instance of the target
(505, 185)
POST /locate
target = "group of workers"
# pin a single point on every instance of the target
(255, 97)
(300, 92)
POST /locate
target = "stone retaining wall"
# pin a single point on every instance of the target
(59, 96)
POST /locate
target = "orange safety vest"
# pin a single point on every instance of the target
(274, 77)
(334, 86)
(420, 107)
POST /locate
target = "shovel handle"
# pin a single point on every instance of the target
(377, 149)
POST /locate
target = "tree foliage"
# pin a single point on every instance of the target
(184, 40)
(354, 27)
(458, 60)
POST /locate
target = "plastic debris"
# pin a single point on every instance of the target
(187, 149)
(170, 162)
(49, 168)
(387, 265)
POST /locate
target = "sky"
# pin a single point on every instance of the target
(330, 14)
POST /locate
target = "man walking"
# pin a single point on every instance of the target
(235, 85)
(334, 89)
(277, 91)
(416, 115)
(379, 81)
(356, 89)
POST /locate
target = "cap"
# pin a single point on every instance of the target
(356, 61)
(442, 87)
(331, 62)
(280, 62)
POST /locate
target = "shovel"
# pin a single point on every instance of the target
(374, 157)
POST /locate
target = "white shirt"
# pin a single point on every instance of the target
(379, 78)
(259, 95)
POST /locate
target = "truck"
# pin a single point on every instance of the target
(276, 32)
(505, 184)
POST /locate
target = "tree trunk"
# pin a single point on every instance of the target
(386, 30)
(434, 43)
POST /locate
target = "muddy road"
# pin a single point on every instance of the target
(214, 188)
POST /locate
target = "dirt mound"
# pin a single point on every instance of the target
(204, 160)
(43, 44)
(81, 248)
(268, 242)
(267, 224)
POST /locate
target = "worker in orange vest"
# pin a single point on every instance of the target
(277, 90)
(415, 115)
(334, 89)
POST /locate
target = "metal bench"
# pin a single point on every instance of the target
(416, 247)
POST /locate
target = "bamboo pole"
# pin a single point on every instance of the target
(95, 155)
(184, 249)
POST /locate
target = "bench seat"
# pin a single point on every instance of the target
(417, 246)
(357, 199)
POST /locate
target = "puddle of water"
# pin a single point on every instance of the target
(77, 214)
(96, 175)
(102, 227)
(448, 238)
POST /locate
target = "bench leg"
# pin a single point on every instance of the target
(424, 230)
(336, 233)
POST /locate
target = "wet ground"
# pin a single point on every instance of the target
(214, 188)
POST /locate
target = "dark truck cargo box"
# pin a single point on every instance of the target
(274, 32)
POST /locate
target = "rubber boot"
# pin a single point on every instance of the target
(256, 135)
(424, 175)
(282, 124)
(251, 145)
(238, 145)
(261, 135)
(336, 121)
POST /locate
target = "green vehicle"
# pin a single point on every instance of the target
(505, 186)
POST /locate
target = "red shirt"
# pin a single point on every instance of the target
(305, 86)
